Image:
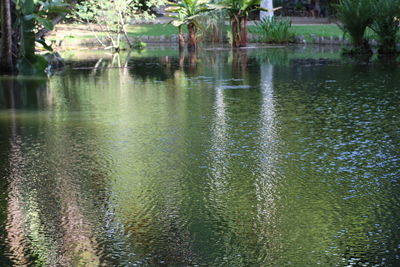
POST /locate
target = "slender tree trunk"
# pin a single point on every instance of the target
(192, 36)
(181, 58)
(192, 61)
(123, 24)
(214, 35)
(6, 64)
(362, 46)
(181, 38)
(387, 46)
(243, 30)
(235, 33)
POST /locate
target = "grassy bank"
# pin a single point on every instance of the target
(318, 30)
(81, 32)
(75, 33)
(305, 30)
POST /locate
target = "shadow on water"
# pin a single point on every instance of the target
(250, 157)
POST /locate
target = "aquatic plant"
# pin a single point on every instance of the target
(273, 30)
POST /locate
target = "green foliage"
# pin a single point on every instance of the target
(273, 30)
(355, 16)
(240, 7)
(214, 23)
(238, 11)
(113, 16)
(138, 44)
(99, 10)
(31, 16)
(382, 16)
(386, 24)
(187, 11)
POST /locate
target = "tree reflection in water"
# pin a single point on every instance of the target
(239, 158)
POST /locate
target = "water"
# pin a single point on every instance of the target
(266, 157)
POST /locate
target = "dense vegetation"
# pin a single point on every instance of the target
(382, 16)
(24, 23)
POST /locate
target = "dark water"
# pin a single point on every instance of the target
(264, 157)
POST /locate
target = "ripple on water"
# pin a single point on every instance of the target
(127, 168)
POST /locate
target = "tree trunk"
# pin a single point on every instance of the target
(387, 46)
(192, 61)
(235, 33)
(267, 4)
(181, 58)
(362, 46)
(181, 38)
(192, 36)
(6, 65)
(243, 31)
(214, 34)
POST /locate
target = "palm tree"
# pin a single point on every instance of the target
(238, 12)
(355, 17)
(186, 12)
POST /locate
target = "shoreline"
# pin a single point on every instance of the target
(93, 43)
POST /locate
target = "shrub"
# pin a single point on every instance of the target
(273, 30)
(355, 16)
(386, 24)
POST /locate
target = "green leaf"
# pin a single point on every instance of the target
(59, 9)
(172, 16)
(48, 24)
(28, 7)
(172, 9)
(29, 17)
(177, 23)
(197, 24)
(170, 3)
(36, 65)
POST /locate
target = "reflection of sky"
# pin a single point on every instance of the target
(219, 146)
(265, 182)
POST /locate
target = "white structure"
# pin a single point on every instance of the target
(267, 4)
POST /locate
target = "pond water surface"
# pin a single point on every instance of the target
(261, 157)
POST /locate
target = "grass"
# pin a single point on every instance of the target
(168, 30)
(318, 30)
(152, 30)
(305, 30)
